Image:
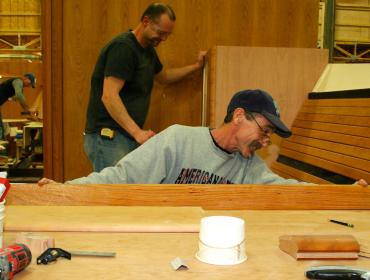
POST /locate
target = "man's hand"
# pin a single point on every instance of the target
(362, 182)
(143, 135)
(34, 115)
(45, 181)
(201, 58)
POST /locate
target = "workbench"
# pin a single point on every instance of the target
(145, 252)
(147, 255)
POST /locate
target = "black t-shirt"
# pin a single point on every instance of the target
(6, 90)
(126, 59)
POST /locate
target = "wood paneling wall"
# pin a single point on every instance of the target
(89, 24)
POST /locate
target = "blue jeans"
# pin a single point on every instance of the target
(104, 152)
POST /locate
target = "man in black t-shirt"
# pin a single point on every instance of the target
(121, 86)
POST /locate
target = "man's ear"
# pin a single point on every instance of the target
(238, 115)
(146, 20)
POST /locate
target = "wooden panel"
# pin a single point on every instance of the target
(205, 196)
(291, 172)
(352, 22)
(354, 2)
(345, 129)
(351, 120)
(19, 16)
(332, 136)
(282, 23)
(328, 165)
(349, 111)
(351, 161)
(331, 146)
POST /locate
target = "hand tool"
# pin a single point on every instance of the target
(13, 259)
(51, 254)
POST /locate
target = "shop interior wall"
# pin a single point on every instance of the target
(201, 24)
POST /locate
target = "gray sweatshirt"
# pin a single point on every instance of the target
(184, 155)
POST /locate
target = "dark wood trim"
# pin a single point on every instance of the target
(52, 35)
(341, 94)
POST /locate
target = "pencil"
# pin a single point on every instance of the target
(342, 223)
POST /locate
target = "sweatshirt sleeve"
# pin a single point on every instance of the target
(261, 174)
(18, 88)
(146, 164)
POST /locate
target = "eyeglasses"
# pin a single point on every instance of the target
(267, 131)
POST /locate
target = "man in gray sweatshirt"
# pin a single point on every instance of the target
(200, 155)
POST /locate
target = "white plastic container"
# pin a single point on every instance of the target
(221, 240)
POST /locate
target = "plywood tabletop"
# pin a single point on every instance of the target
(148, 255)
(102, 218)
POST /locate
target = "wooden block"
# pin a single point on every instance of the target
(320, 246)
(37, 243)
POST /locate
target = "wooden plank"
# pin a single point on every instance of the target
(116, 218)
(205, 196)
(298, 174)
(350, 120)
(329, 155)
(338, 168)
(344, 102)
(346, 111)
(335, 137)
(349, 150)
(331, 127)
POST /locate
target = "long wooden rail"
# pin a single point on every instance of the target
(222, 197)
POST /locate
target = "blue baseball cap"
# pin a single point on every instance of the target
(32, 78)
(259, 101)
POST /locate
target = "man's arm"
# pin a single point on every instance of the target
(19, 96)
(18, 89)
(263, 175)
(148, 164)
(118, 111)
(177, 74)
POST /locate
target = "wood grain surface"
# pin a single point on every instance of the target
(143, 256)
(231, 197)
(102, 219)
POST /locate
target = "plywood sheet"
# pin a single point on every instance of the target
(102, 219)
(288, 74)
